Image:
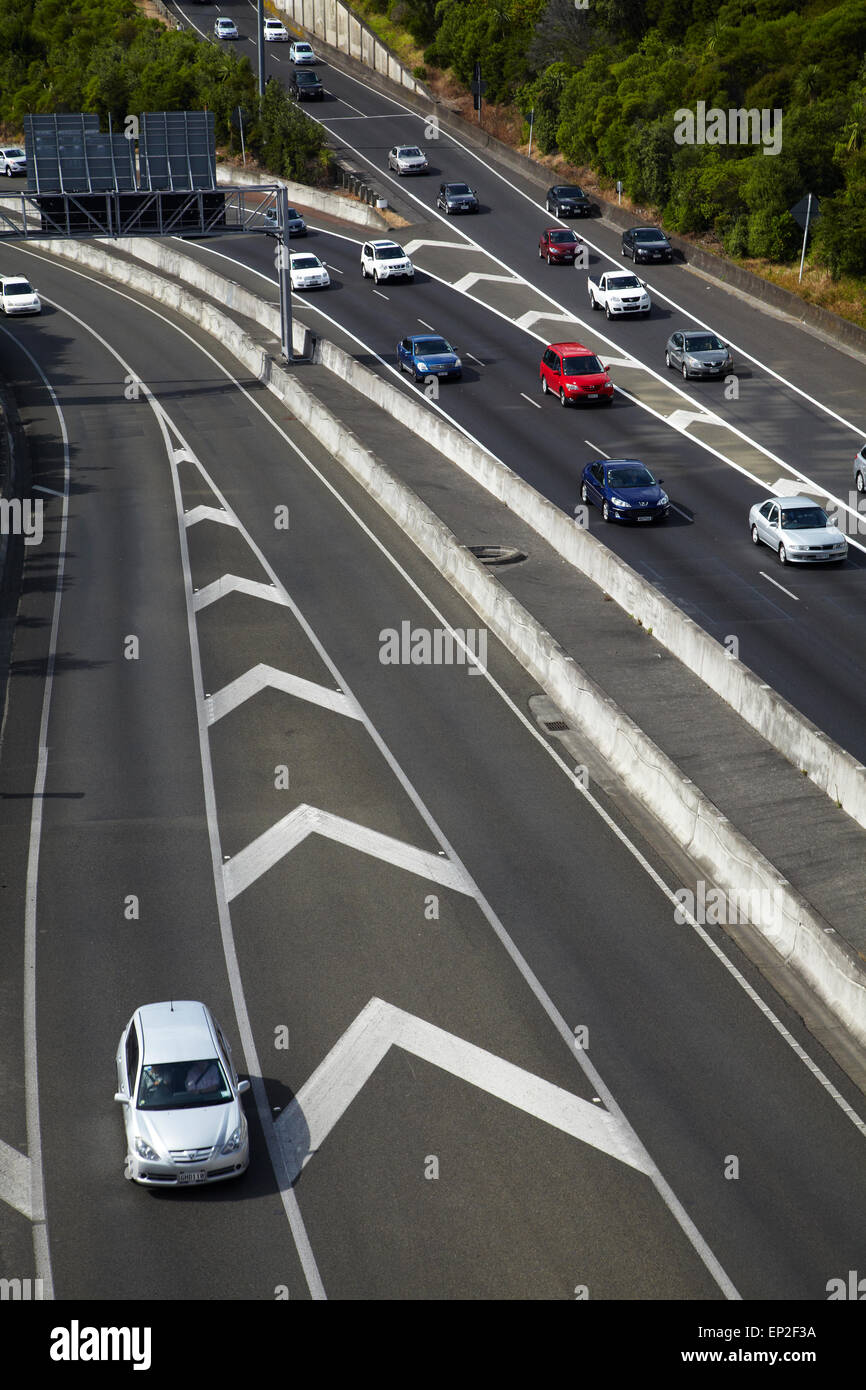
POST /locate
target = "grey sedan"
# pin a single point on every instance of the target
(698, 354)
(797, 529)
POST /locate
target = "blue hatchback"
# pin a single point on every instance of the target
(426, 354)
(625, 490)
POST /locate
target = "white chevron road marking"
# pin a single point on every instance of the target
(234, 584)
(262, 677)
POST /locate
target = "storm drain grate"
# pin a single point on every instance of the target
(555, 726)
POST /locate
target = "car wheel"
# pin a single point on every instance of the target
(859, 482)
(544, 386)
(563, 399)
(608, 315)
(685, 372)
(584, 495)
(363, 271)
(540, 253)
(668, 362)
(783, 555)
(592, 303)
(756, 539)
(605, 510)
(622, 250)
(549, 262)
(375, 277)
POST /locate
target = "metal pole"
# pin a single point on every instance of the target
(285, 277)
(805, 234)
(531, 119)
(243, 150)
(261, 38)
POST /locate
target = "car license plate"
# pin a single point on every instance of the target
(644, 518)
(195, 1175)
(592, 395)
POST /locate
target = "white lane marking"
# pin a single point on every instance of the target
(424, 324)
(474, 358)
(202, 513)
(15, 1180)
(596, 448)
(534, 316)
(484, 161)
(233, 584)
(41, 1248)
(531, 401)
(683, 514)
(37, 487)
(467, 282)
(381, 295)
(321, 1102)
(264, 677)
(191, 21)
(344, 102)
(274, 844)
(682, 419)
(394, 116)
(778, 585)
(412, 246)
(551, 750)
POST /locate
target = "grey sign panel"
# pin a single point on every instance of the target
(56, 151)
(177, 150)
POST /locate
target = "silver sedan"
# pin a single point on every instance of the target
(798, 530)
(698, 354)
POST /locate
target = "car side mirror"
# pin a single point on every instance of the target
(119, 1096)
(604, 368)
(243, 1087)
(659, 481)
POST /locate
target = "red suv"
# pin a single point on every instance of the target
(574, 374)
(559, 244)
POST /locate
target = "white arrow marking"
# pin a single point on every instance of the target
(529, 319)
(467, 282)
(789, 487)
(203, 513)
(681, 419)
(282, 838)
(306, 1123)
(231, 584)
(412, 246)
(262, 676)
(15, 1180)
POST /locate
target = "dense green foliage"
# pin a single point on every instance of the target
(606, 80)
(105, 56)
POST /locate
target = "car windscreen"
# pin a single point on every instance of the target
(625, 282)
(582, 366)
(183, 1085)
(13, 152)
(563, 237)
(306, 263)
(294, 214)
(649, 236)
(409, 152)
(303, 48)
(431, 347)
(17, 287)
(804, 519)
(459, 189)
(703, 342)
(307, 79)
(634, 475)
(390, 253)
(569, 191)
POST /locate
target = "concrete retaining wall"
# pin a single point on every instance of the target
(335, 24)
(817, 955)
(349, 209)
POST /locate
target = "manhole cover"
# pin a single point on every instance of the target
(497, 554)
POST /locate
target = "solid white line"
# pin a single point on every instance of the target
(37, 487)
(779, 586)
(15, 1180)
(41, 1249)
(683, 514)
(668, 1196)
(424, 324)
(596, 448)
(474, 358)
(531, 401)
(380, 294)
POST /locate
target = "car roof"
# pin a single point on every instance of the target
(307, 76)
(567, 188)
(572, 348)
(176, 1030)
(657, 230)
(384, 242)
(297, 255)
(426, 337)
(13, 279)
(788, 503)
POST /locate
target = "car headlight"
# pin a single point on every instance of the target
(422, 367)
(618, 502)
(234, 1141)
(145, 1151)
(457, 362)
(664, 500)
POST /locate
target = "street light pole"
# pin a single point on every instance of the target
(284, 273)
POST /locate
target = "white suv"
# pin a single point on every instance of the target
(12, 160)
(385, 260)
(275, 31)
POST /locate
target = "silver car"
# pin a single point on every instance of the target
(798, 530)
(860, 470)
(12, 160)
(698, 353)
(181, 1097)
(407, 159)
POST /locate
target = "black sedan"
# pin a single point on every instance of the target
(305, 85)
(646, 244)
(567, 200)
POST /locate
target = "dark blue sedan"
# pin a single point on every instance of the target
(426, 354)
(625, 490)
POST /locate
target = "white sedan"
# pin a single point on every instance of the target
(181, 1097)
(307, 271)
(798, 530)
(275, 31)
(301, 52)
(17, 296)
(225, 29)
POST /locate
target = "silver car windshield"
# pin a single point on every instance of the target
(703, 342)
(804, 519)
(183, 1085)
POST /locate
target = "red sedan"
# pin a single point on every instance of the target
(574, 373)
(559, 244)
